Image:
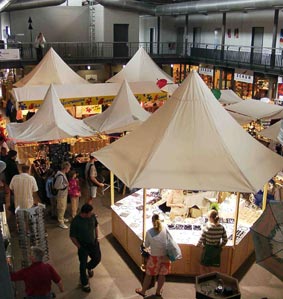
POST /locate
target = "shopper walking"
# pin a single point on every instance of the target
(39, 45)
(61, 185)
(158, 262)
(23, 187)
(84, 234)
(74, 192)
(38, 277)
(213, 238)
(91, 178)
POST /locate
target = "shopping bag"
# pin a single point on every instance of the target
(173, 250)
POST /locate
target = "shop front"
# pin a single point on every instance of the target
(207, 72)
(264, 86)
(223, 78)
(243, 83)
(279, 98)
(180, 71)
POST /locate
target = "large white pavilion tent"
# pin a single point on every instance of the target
(192, 143)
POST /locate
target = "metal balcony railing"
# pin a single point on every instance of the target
(267, 59)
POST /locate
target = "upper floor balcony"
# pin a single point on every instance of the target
(267, 60)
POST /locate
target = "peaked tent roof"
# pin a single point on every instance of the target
(240, 118)
(228, 96)
(50, 122)
(51, 70)
(141, 68)
(191, 142)
(256, 109)
(272, 132)
(125, 114)
(170, 88)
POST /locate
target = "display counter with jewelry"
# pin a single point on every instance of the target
(5, 234)
(127, 226)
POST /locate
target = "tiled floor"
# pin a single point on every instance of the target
(116, 277)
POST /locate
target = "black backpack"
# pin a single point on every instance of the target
(52, 189)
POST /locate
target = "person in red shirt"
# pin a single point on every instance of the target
(38, 276)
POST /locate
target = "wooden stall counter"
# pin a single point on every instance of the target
(80, 145)
(127, 229)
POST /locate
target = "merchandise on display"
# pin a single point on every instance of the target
(185, 230)
(31, 232)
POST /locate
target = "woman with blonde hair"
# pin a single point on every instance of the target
(158, 262)
(213, 238)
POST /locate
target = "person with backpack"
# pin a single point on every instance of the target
(61, 184)
(91, 178)
(51, 193)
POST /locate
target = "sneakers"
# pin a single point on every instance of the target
(62, 225)
(66, 220)
(86, 288)
(90, 273)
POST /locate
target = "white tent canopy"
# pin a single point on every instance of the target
(170, 88)
(50, 122)
(271, 132)
(228, 97)
(141, 68)
(77, 91)
(256, 109)
(191, 142)
(125, 114)
(240, 118)
(51, 70)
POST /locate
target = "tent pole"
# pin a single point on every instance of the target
(264, 196)
(112, 187)
(144, 214)
(236, 218)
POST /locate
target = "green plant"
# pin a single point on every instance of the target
(214, 206)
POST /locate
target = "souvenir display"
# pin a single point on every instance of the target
(31, 232)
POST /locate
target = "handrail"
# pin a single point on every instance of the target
(218, 54)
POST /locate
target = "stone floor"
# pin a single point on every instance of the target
(116, 277)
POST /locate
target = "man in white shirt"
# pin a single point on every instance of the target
(23, 185)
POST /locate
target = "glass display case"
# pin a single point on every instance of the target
(127, 226)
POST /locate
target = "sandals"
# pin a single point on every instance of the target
(138, 291)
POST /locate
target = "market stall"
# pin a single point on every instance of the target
(192, 143)
(76, 94)
(125, 114)
(128, 229)
(85, 99)
(53, 125)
